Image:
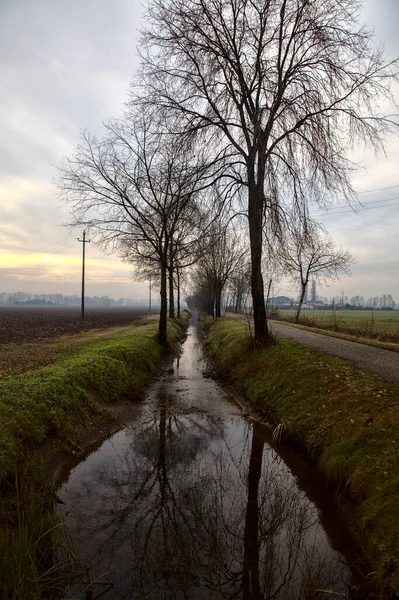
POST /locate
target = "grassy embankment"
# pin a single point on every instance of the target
(346, 418)
(377, 328)
(49, 407)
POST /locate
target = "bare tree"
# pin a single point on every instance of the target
(133, 190)
(186, 229)
(222, 256)
(311, 254)
(275, 83)
(239, 286)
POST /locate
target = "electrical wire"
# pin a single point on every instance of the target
(361, 206)
(354, 211)
(358, 207)
(53, 247)
(389, 187)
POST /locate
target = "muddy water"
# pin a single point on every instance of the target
(191, 501)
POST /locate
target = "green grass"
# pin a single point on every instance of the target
(51, 401)
(32, 536)
(51, 405)
(346, 418)
(382, 326)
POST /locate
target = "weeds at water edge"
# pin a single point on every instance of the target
(36, 556)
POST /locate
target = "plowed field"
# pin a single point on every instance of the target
(32, 337)
(33, 323)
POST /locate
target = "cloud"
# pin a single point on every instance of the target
(65, 65)
(383, 17)
(48, 273)
(53, 259)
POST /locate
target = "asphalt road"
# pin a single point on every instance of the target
(382, 362)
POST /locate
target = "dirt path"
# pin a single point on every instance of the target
(384, 363)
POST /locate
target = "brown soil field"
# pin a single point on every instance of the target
(33, 323)
(32, 336)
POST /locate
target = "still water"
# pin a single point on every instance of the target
(191, 501)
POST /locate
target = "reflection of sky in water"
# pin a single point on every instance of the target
(190, 502)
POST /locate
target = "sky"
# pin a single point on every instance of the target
(66, 65)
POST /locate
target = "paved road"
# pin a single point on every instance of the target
(382, 362)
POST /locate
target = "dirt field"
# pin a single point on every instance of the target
(33, 336)
(33, 323)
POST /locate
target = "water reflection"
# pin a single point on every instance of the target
(189, 502)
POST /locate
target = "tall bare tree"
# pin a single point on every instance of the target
(311, 254)
(133, 189)
(275, 83)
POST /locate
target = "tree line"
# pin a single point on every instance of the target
(15, 298)
(384, 301)
(242, 116)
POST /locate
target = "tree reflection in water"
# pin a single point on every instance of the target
(190, 505)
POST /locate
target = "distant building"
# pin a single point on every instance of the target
(314, 294)
(281, 301)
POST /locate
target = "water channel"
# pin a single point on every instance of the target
(192, 501)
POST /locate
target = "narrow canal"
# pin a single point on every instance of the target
(191, 501)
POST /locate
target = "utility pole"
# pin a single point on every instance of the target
(84, 242)
(149, 297)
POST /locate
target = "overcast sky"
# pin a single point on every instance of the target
(66, 65)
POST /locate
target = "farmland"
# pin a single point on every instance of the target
(381, 325)
(33, 323)
(32, 337)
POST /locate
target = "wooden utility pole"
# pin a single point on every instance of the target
(84, 242)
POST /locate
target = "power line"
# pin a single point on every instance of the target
(388, 187)
(362, 204)
(359, 207)
(53, 247)
(354, 212)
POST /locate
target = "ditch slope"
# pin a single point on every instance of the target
(51, 409)
(344, 417)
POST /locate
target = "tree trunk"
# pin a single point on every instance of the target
(298, 312)
(218, 302)
(239, 302)
(171, 282)
(268, 294)
(161, 462)
(250, 573)
(255, 210)
(211, 301)
(171, 295)
(178, 292)
(164, 308)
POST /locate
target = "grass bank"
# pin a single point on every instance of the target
(50, 406)
(346, 418)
